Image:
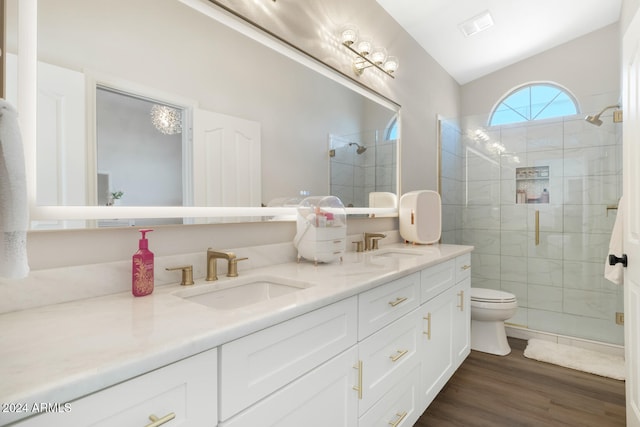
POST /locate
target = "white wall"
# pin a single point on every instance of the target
(588, 66)
(629, 8)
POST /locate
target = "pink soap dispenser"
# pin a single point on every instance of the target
(142, 271)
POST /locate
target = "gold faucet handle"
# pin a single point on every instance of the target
(359, 246)
(187, 274)
(374, 242)
(233, 266)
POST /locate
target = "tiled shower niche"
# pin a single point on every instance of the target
(532, 184)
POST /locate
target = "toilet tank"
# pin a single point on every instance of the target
(420, 216)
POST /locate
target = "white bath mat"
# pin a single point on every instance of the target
(594, 362)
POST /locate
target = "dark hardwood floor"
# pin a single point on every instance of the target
(510, 391)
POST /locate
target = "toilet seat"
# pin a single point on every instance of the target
(491, 296)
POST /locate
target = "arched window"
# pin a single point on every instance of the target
(533, 101)
(392, 130)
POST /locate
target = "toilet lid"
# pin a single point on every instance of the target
(491, 295)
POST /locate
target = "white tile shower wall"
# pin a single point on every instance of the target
(354, 176)
(559, 283)
(452, 182)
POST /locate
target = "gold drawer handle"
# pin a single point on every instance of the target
(358, 387)
(397, 422)
(159, 421)
(398, 355)
(398, 300)
(461, 305)
(428, 319)
(465, 267)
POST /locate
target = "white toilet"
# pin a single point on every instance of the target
(489, 309)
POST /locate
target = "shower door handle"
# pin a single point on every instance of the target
(613, 260)
(537, 221)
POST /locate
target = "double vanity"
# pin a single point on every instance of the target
(367, 341)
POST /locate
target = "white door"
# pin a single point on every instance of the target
(226, 160)
(631, 150)
(61, 145)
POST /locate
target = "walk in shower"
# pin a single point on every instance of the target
(538, 201)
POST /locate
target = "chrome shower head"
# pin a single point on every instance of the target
(595, 120)
(361, 148)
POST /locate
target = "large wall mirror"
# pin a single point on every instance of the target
(153, 109)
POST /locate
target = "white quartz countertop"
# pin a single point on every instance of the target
(57, 353)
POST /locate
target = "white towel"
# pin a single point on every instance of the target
(615, 273)
(14, 209)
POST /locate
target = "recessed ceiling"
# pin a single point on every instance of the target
(520, 29)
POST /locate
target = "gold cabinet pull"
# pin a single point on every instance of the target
(461, 305)
(398, 355)
(465, 267)
(537, 228)
(159, 421)
(428, 332)
(358, 387)
(401, 416)
(397, 301)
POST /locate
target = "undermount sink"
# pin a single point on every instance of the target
(398, 253)
(232, 294)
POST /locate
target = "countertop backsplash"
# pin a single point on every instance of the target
(64, 284)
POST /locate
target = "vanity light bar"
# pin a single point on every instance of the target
(366, 54)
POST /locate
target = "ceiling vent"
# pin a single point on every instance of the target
(476, 24)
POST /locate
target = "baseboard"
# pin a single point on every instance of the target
(521, 332)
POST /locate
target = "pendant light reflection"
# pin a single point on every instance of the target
(166, 119)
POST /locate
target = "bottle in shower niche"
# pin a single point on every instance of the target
(142, 268)
(544, 197)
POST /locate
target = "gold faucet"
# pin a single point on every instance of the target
(212, 265)
(371, 240)
(187, 274)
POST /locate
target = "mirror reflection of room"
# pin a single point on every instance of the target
(294, 116)
(139, 151)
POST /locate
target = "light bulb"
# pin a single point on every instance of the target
(364, 47)
(349, 35)
(378, 55)
(391, 64)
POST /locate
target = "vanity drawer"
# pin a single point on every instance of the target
(399, 407)
(387, 356)
(436, 279)
(382, 305)
(256, 365)
(323, 397)
(187, 388)
(463, 267)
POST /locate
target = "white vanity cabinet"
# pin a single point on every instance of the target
(407, 362)
(183, 394)
(462, 320)
(257, 365)
(382, 305)
(446, 321)
(387, 356)
(389, 332)
(323, 397)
